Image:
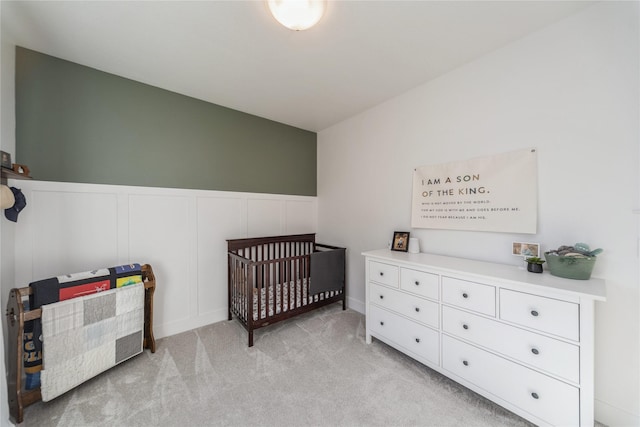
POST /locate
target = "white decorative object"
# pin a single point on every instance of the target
(524, 341)
(414, 245)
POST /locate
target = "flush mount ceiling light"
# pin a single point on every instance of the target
(297, 15)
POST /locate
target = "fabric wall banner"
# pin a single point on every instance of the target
(495, 193)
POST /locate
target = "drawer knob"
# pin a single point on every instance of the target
(465, 326)
(417, 283)
(535, 351)
(535, 395)
(382, 273)
(417, 309)
(534, 313)
(465, 363)
(381, 323)
(465, 295)
(381, 296)
(418, 340)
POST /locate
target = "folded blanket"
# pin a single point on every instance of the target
(75, 285)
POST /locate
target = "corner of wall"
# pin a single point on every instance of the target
(7, 143)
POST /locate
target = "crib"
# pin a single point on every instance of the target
(276, 278)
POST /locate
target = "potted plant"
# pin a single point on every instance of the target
(534, 264)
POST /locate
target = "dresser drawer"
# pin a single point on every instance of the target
(469, 295)
(383, 273)
(549, 315)
(551, 400)
(419, 283)
(408, 305)
(411, 336)
(553, 356)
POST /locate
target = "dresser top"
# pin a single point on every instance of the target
(593, 288)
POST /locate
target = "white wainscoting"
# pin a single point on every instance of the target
(69, 227)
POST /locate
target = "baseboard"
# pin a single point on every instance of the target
(611, 416)
(173, 328)
(356, 305)
(215, 316)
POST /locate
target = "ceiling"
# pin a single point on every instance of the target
(233, 53)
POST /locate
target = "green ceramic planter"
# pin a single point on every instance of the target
(570, 267)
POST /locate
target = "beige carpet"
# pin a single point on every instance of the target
(315, 370)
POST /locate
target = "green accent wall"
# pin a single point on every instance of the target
(78, 124)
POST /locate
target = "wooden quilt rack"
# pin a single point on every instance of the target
(16, 318)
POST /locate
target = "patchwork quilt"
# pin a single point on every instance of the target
(86, 336)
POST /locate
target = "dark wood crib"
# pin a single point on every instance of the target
(276, 278)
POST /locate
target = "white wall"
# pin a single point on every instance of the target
(572, 91)
(70, 227)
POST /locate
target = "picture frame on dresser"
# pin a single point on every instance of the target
(400, 241)
(525, 249)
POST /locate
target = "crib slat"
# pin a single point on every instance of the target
(243, 287)
(273, 288)
(266, 288)
(249, 295)
(296, 277)
(281, 266)
(256, 292)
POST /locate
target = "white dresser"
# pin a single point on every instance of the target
(522, 340)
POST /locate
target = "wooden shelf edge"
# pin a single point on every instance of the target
(10, 174)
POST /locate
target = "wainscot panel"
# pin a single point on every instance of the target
(181, 232)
